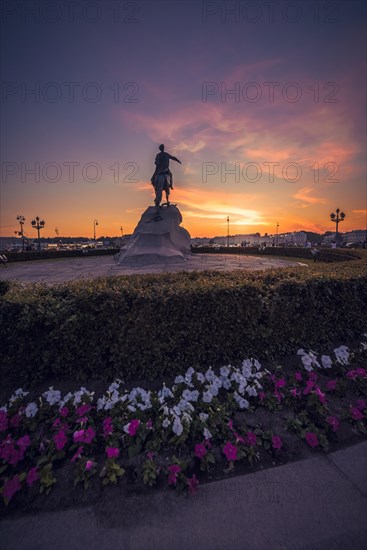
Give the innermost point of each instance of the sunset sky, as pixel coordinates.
(115, 80)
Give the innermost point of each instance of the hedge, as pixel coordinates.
(150, 326)
(54, 254)
(324, 254)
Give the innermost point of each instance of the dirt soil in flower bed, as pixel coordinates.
(106, 499)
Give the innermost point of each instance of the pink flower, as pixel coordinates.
(78, 436)
(281, 383)
(133, 427)
(107, 427)
(150, 456)
(174, 470)
(331, 385)
(149, 424)
(320, 395)
(112, 452)
(57, 423)
(24, 442)
(3, 421)
(278, 395)
(60, 440)
(298, 376)
(262, 395)
(207, 443)
(239, 438)
(333, 422)
(77, 454)
(230, 451)
(64, 411)
(352, 374)
(276, 442)
(230, 424)
(309, 387)
(89, 435)
(200, 450)
(32, 476)
(89, 465)
(356, 413)
(360, 404)
(83, 409)
(361, 372)
(250, 439)
(311, 439)
(193, 483)
(312, 376)
(11, 486)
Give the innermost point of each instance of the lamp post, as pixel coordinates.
(95, 222)
(122, 232)
(21, 220)
(228, 231)
(337, 219)
(57, 234)
(38, 224)
(277, 238)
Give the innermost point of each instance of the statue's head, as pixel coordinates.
(161, 147)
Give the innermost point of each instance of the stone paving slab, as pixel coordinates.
(68, 269)
(306, 505)
(353, 462)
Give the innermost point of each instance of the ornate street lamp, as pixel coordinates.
(95, 222)
(228, 231)
(38, 224)
(337, 219)
(21, 220)
(122, 232)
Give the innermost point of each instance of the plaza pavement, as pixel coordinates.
(316, 504)
(67, 269)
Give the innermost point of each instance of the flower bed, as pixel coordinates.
(178, 435)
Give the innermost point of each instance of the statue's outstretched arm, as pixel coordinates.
(174, 158)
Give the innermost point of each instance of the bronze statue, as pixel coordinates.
(162, 179)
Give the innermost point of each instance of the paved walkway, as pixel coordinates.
(67, 269)
(315, 504)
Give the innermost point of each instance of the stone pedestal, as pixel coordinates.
(157, 242)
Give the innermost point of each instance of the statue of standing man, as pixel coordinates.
(162, 179)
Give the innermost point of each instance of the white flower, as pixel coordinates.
(207, 397)
(207, 434)
(200, 377)
(188, 375)
(309, 360)
(190, 395)
(126, 428)
(342, 355)
(203, 417)
(179, 379)
(52, 396)
(210, 375)
(250, 390)
(67, 398)
(31, 410)
(18, 394)
(131, 408)
(224, 371)
(213, 389)
(242, 403)
(326, 361)
(226, 384)
(164, 392)
(166, 422)
(114, 386)
(177, 427)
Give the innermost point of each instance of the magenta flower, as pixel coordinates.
(3, 421)
(320, 395)
(64, 411)
(200, 450)
(112, 452)
(107, 427)
(83, 409)
(11, 486)
(278, 395)
(32, 476)
(331, 385)
(193, 483)
(250, 439)
(352, 374)
(230, 451)
(230, 424)
(281, 383)
(60, 440)
(356, 413)
(77, 454)
(149, 424)
(309, 386)
(333, 422)
(312, 376)
(262, 395)
(276, 442)
(133, 427)
(57, 423)
(150, 456)
(89, 465)
(78, 436)
(360, 404)
(89, 435)
(298, 376)
(24, 442)
(174, 470)
(361, 372)
(311, 439)
(295, 392)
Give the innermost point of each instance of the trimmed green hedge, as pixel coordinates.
(324, 255)
(54, 254)
(146, 326)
